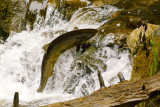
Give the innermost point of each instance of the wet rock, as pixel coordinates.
(5, 16)
(134, 39)
(71, 84)
(67, 7)
(83, 67)
(148, 11)
(101, 81)
(131, 16)
(18, 22)
(51, 33)
(103, 2)
(144, 43)
(84, 90)
(12, 16)
(93, 15)
(36, 12)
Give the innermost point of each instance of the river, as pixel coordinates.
(22, 53)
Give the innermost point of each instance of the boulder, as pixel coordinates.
(135, 37)
(144, 44)
(12, 17)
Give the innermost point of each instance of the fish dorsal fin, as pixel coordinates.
(45, 47)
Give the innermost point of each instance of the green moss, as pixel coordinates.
(144, 65)
(141, 66)
(5, 18)
(5, 9)
(154, 68)
(151, 66)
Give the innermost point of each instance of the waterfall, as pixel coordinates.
(21, 57)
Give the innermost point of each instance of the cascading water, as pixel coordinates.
(21, 56)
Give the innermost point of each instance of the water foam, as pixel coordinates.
(21, 56)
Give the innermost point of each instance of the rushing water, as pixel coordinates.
(21, 56)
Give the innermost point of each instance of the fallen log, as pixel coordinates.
(124, 94)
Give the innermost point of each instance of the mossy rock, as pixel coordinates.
(12, 17)
(32, 15)
(104, 2)
(148, 66)
(147, 51)
(134, 38)
(5, 17)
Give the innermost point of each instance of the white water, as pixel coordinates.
(21, 56)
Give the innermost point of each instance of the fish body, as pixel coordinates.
(59, 46)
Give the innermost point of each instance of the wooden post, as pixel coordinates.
(121, 77)
(16, 100)
(101, 81)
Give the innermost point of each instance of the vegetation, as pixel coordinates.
(154, 69)
(5, 18)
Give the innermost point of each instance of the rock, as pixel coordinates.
(131, 16)
(144, 43)
(148, 11)
(67, 7)
(134, 13)
(103, 2)
(36, 9)
(18, 21)
(5, 17)
(134, 38)
(100, 78)
(12, 16)
(86, 64)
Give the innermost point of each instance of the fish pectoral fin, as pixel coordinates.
(45, 47)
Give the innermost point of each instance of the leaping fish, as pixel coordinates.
(59, 46)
